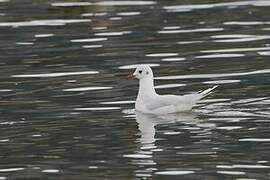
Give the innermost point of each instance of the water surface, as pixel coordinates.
(67, 110)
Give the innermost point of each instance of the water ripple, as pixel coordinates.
(255, 140)
(248, 38)
(92, 167)
(52, 22)
(171, 27)
(236, 50)
(251, 166)
(174, 172)
(24, 43)
(137, 156)
(133, 66)
(233, 113)
(94, 14)
(125, 3)
(89, 40)
(189, 42)
(115, 18)
(245, 23)
(92, 46)
(6, 90)
(219, 56)
(43, 35)
(249, 100)
(162, 54)
(243, 166)
(50, 171)
(264, 53)
(225, 81)
(190, 30)
(54, 74)
(69, 4)
(199, 76)
(113, 33)
(104, 3)
(229, 128)
(174, 59)
(4, 140)
(224, 36)
(231, 172)
(187, 8)
(119, 102)
(128, 13)
(11, 169)
(197, 153)
(86, 89)
(97, 108)
(99, 28)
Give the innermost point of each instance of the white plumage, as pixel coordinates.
(148, 101)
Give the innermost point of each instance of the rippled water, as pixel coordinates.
(67, 111)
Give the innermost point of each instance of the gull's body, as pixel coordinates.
(148, 101)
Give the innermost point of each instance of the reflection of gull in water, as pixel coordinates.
(143, 156)
(147, 123)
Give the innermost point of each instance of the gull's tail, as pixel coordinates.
(207, 91)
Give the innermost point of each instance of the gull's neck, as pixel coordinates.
(146, 88)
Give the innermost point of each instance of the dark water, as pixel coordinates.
(66, 109)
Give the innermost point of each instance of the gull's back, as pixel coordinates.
(171, 103)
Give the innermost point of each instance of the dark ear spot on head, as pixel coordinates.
(147, 72)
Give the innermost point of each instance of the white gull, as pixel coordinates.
(148, 101)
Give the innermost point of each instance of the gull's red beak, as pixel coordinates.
(131, 76)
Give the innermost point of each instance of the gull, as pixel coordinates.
(148, 101)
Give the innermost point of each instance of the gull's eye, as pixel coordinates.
(140, 72)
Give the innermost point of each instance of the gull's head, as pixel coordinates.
(142, 72)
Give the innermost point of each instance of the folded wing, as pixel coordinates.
(177, 103)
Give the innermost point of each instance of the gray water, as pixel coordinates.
(67, 110)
